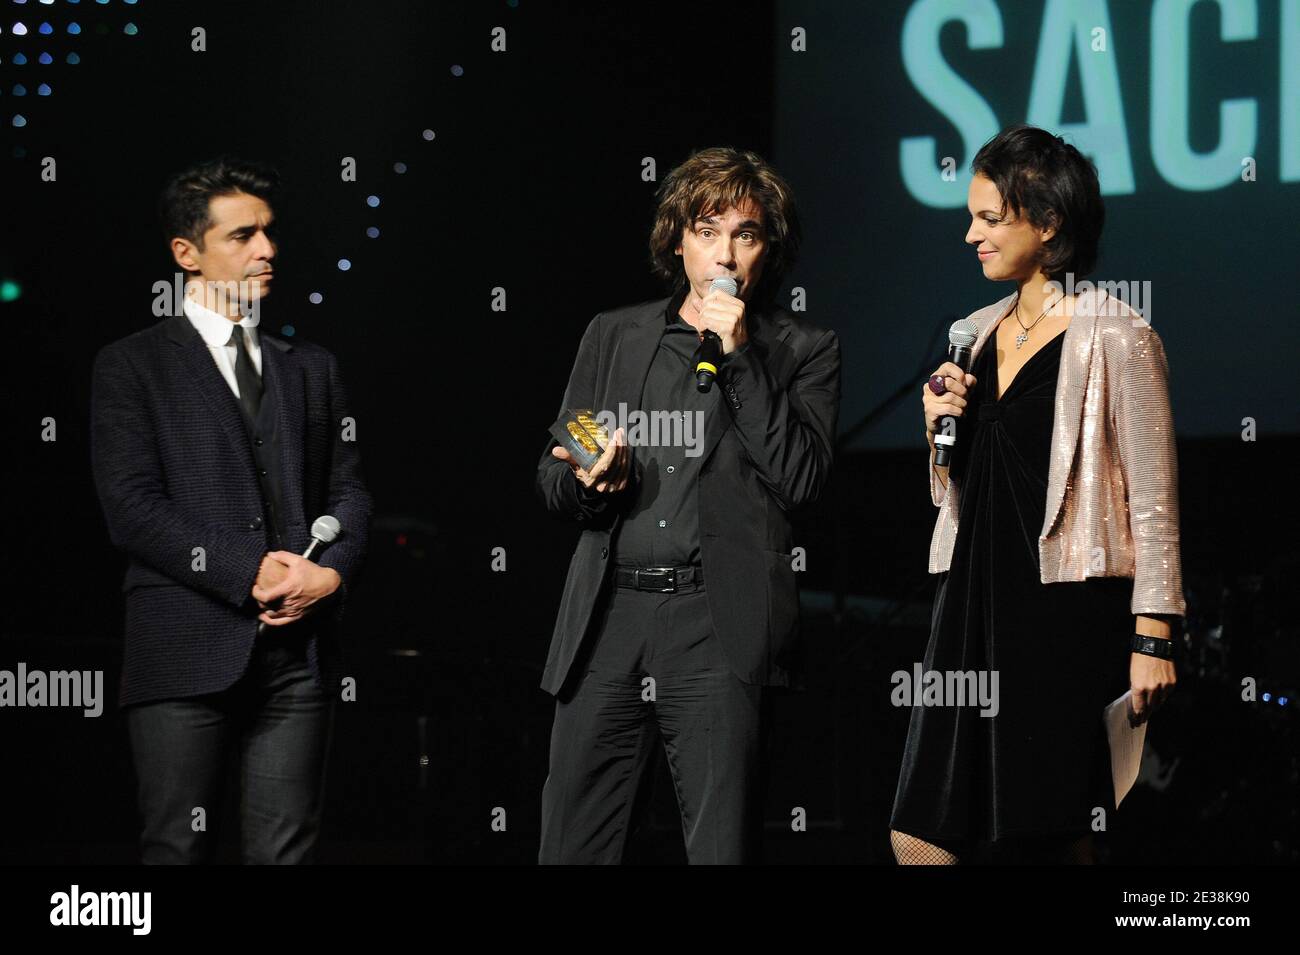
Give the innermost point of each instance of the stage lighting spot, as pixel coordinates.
(43, 90)
(130, 29)
(46, 29)
(344, 265)
(372, 201)
(287, 331)
(19, 30)
(45, 58)
(372, 232)
(20, 59)
(20, 119)
(428, 135)
(399, 167)
(10, 291)
(20, 90)
(74, 59)
(315, 298)
(458, 70)
(74, 28)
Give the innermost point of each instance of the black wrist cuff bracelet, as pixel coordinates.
(1153, 646)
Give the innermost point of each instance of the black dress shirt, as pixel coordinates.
(662, 526)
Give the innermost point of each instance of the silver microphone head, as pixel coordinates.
(963, 333)
(726, 284)
(325, 528)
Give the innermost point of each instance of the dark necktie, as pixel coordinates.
(250, 383)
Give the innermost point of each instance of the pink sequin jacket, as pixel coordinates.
(1112, 488)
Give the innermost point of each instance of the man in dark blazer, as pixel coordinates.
(680, 603)
(215, 446)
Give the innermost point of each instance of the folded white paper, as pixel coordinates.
(1126, 741)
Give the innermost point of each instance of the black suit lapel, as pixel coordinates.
(283, 376)
(767, 336)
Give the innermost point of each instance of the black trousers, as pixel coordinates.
(655, 663)
(276, 721)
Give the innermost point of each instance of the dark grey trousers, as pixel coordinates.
(655, 662)
(276, 722)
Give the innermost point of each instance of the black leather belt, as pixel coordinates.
(663, 580)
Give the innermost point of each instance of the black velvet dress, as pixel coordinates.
(1039, 767)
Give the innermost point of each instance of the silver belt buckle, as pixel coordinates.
(672, 579)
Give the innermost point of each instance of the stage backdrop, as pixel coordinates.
(1190, 110)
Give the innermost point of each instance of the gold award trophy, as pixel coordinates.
(581, 435)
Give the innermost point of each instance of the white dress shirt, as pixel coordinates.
(216, 330)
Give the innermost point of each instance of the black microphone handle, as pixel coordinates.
(959, 355)
(711, 352)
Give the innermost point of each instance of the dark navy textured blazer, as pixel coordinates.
(174, 469)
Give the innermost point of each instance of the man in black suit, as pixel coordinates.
(215, 445)
(680, 604)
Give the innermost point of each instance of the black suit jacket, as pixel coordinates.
(767, 451)
(174, 470)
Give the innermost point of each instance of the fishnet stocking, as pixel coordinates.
(909, 850)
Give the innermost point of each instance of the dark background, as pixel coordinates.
(532, 183)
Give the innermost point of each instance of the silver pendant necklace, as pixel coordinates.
(1024, 329)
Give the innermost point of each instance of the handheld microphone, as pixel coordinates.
(323, 531)
(706, 368)
(961, 336)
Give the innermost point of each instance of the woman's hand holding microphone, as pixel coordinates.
(943, 396)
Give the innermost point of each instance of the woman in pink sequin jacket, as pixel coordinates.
(1056, 542)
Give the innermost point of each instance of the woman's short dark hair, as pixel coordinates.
(183, 206)
(714, 180)
(1049, 182)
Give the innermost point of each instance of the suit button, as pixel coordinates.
(257, 441)
(255, 523)
(604, 552)
(262, 472)
(671, 469)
